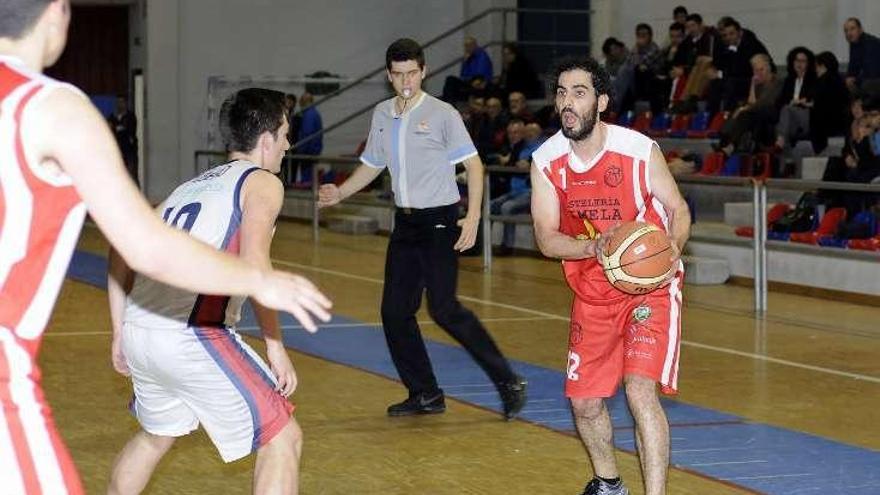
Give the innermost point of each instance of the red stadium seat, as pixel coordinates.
(827, 227)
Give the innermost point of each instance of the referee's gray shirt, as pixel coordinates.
(420, 149)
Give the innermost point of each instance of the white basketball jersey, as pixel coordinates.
(209, 209)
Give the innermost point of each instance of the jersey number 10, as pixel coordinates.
(189, 212)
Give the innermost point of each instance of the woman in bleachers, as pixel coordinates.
(796, 99)
(829, 115)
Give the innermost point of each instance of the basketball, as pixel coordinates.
(636, 258)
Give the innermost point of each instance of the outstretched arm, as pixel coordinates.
(65, 130)
(330, 194)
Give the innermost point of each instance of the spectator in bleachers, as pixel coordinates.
(679, 14)
(509, 150)
(619, 70)
(476, 63)
(734, 68)
(696, 59)
(796, 99)
(123, 124)
(860, 159)
(645, 60)
(518, 199)
(671, 76)
(490, 135)
(829, 114)
(864, 58)
(517, 107)
(474, 114)
(518, 73)
(752, 124)
(310, 125)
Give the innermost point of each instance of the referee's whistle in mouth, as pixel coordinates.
(407, 92)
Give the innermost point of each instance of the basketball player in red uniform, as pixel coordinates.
(587, 179)
(58, 160)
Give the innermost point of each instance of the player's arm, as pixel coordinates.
(65, 128)
(261, 200)
(330, 194)
(545, 214)
(470, 224)
(664, 188)
(119, 281)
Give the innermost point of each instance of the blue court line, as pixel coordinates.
(728, 448)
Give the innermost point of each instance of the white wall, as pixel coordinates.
(190, 40)
(779, 24)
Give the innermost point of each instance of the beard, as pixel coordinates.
(587, 124)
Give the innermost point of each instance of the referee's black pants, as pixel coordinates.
(421, 258)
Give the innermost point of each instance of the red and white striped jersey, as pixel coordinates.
(615, 187)
(41, 213)
(40, 219)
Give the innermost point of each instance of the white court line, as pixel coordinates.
(74, 334)
(725, 463)
(551, 316)
(769, 476)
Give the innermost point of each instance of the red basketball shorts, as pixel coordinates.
(639, 335)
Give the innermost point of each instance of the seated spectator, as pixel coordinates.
(695, 61)
(796, 99)
(518, 199)
(476, 63)
(829, 114)
(619, 70)
(474, 114)
(645, 60)
(670, 74)
(734, 69)
(860, 160)
(679, 14)
(517, 108)
(490, 135)
(864, 58)
(752, 124)
(518, 74)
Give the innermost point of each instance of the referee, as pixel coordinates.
(420, 139)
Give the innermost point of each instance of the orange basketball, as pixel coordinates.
(636, 259)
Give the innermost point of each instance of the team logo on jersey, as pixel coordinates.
(641, 313)
(590, 232)
(575, 335)
(423, 127)
(613, 176)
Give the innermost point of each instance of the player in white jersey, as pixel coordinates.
(187, 364)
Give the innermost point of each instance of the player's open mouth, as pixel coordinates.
(569, 119)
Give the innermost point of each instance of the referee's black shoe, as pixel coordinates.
(422, 403)
(513, 396)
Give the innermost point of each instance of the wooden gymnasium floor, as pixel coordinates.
(787, 404)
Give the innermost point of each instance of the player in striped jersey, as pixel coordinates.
(187, 363)
(57, 161)
(587, 179)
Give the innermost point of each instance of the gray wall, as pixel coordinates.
(189, 41)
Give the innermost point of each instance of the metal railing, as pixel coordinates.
(439, 69)
(759, 206)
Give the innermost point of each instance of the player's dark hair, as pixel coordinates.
(247, 114)
(18, 17)
(402, 50)
(601, 80)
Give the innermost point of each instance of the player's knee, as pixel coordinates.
(157, 443)
(588, 409)
(288, 442)
(445, 313)
(393, 314)
(640, 391)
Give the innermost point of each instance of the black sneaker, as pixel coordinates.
(419, 404)
(513, 396)
(599, 487)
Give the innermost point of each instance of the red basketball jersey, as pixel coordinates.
(615, 187)
(40, 219)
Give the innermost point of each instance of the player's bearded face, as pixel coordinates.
(578, 126)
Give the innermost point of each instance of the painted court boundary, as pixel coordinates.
(724, 447)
